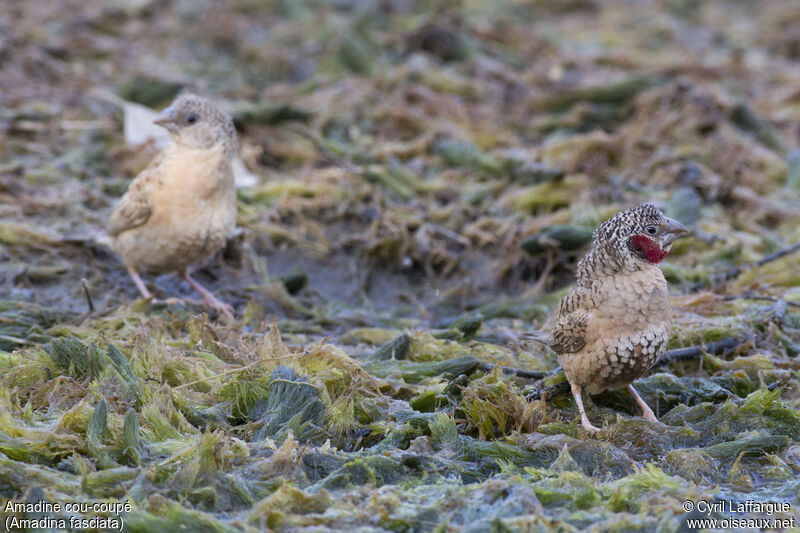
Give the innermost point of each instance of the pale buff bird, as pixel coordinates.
(614, 324)
(182, 208)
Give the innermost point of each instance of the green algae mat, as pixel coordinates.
(423, 177)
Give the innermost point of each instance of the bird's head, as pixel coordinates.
(639, 235)
(195, 122)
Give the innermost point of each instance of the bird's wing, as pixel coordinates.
(569, 333)
(135, 207)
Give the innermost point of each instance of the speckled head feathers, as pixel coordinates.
(628, 223)
(196, 122)
(631, 239)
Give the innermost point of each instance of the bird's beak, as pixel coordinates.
(673, 231)
(166, 119)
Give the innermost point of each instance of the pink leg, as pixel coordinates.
(208, 298)
(647, 413)
(137, 280)
(576, 392)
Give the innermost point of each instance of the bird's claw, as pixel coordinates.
(588, 426)
(650, 416)
(220, 306)
(213, 303)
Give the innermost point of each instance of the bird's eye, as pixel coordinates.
(651, 230)
(191, 118)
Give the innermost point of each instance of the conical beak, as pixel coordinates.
(673, 231)
(167, 120)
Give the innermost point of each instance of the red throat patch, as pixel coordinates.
(647, 248)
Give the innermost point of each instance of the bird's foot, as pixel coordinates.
(647, 413)
(212, 302)
(588, 426)
(650, 416)
(139, 282)
(576, 392)
(219, 305)
(208, 297)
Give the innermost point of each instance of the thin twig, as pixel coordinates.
(751, 296)
(88, 296)
(737, 271)
(325, 151)
(289, 381)
(521, 372)
(239, 369)
(558, 389)
(777, 255)
(551, 263)
(692, 352)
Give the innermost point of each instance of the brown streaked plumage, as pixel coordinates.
(614, 324)
(182, 208)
